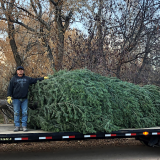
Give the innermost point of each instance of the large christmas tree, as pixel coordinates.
(86, 102)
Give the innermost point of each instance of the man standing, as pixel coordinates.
(18, 90)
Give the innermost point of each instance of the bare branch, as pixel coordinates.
(54, 3)
(33, 6)
(67, 20)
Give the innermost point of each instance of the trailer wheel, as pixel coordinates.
(146, 144)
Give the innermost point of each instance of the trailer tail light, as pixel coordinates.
(145, 133)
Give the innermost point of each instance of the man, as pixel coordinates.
(18, 90)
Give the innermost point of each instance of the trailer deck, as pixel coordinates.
(8, 129)
(8, 136)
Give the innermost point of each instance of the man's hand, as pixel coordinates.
(9, 100)
(46, 77)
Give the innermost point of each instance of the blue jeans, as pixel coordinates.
(23, 105)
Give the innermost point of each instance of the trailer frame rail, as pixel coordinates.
(62, 136)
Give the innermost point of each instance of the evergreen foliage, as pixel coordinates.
(86, 102)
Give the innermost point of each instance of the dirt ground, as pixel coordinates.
(54, 145)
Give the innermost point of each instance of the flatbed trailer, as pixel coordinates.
(148, 136)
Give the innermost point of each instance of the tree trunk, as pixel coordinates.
(62, 23)
(11, 32)
(60, 49)
(60, 38)
(46, 44)
(99, 29)
(11, 35)
(118, 70)
(140, 69)
(147, 50)
(100, 53)
(8, 11)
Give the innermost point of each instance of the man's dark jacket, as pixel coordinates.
(18, 87)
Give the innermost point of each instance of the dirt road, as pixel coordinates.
(117, 149)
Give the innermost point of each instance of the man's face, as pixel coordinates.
(20, 72)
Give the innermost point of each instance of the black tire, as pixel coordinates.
(146, 144)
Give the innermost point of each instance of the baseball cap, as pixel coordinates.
(20, 67)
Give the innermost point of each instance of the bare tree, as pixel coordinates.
(132, 39)
(58, 19)
(8, 15)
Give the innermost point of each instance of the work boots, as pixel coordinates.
(24, 129)
(17, 129)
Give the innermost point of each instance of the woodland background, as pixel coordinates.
(117, 38)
